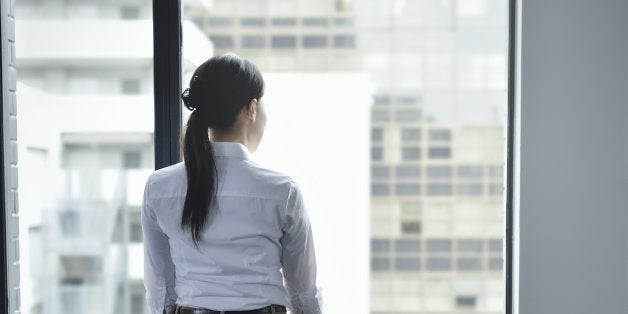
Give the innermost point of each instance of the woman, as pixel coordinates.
(222, 233)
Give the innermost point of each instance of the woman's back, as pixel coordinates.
(238, 261)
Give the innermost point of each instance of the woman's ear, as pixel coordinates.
(251, 110)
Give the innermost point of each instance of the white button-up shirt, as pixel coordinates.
(257, 234)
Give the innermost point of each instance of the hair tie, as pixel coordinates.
(185, 96)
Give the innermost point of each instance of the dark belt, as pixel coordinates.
(197, 310)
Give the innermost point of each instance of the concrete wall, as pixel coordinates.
(9, 123)
(572, 196)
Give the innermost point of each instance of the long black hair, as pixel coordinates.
(218, 91)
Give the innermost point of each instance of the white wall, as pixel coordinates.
(572, 200)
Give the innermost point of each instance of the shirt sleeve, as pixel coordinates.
(298, 258)
(159, 272)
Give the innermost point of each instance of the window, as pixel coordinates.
(377, 134)
(439, 172)
(410, 153)
(344, 22)
(469, 264)
(131, 160)
(380, 264)
(470, 189)
(220, 22)
(440, 135)
(438, 245)
(410, 134)
(470, 246)
(377, 153)
(284, 22)
(314, 41)
(380, 116)
(380, 172)
(128, 12)
(410, 227)
(344, 41)
(439, 152)
(438, 264)
(406, 189)
(408, 115)
(434, 189)
(315, 22)
(407, 264)
(407, 245)
(130, 86)
(284, 41)
(380, 245)
(465, 302)
(408, 171)
(222, 42)
(474, 172)
(380, 189)
(253, 41)
(253, 22)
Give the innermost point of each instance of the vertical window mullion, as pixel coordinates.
(167, 80)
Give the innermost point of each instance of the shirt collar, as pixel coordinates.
(230, 149)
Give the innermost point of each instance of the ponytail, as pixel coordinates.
(200, 167)
(219, 89)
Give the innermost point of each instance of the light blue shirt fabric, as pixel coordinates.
(257, 235)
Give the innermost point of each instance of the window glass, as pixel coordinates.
(407, 245)
(421, 85)
(86, 147)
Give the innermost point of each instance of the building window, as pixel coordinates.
(495, 245)
(496, 189)
(410, 227)
(408, 99)
(344, 41)
(438, 264)
(439, 152)
(381, 99)
(253, 22)
(284, 22)
(380, 172)
(131, 160)
(402, 189)
(470, 246)
(470, 172)
(380, 116)
(434, 189)
(470, 189)
(314, 22)
(284, 41)
(440, 135)
(434, 172)
(222, 42)
(465, 302)
(130, 12)
(220, 22)
(496, 172)
(377, 153)
(469, 264)
(253, 41)
(136, 235)
(411, 134)
(380, 245)
(377, 134)
(408, 171)
(408, 115)
(314, 41)
(380, 264)
(407, 245)
(410, 153)
(495, 264)
(379, 189)
(344, 22)
(407, 264)
(130, 86)
(438, 245)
